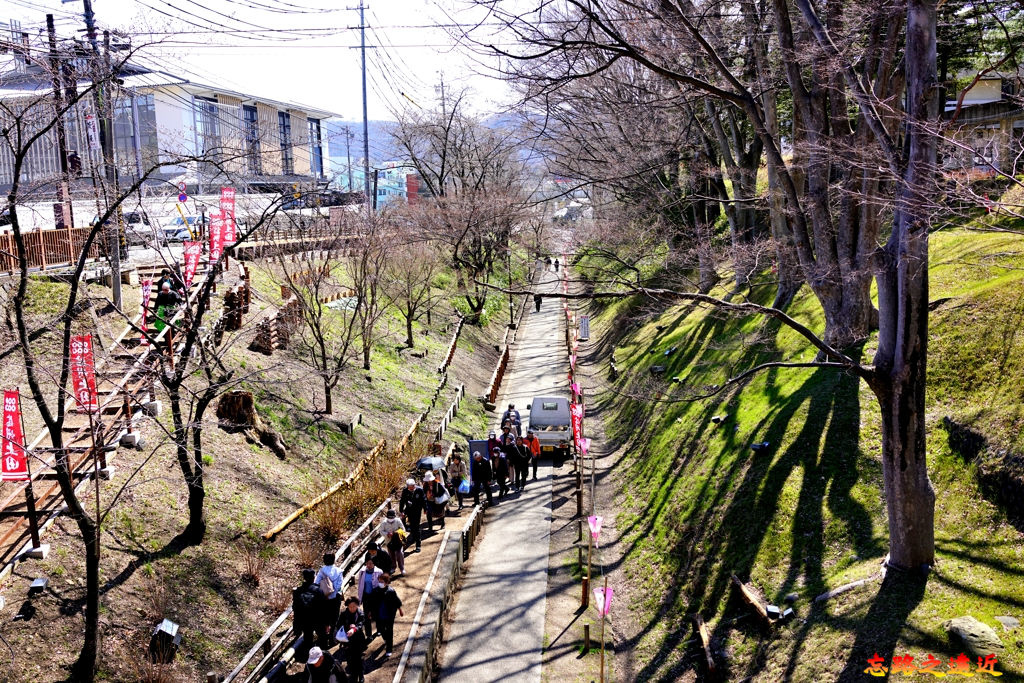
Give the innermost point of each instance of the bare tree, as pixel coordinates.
(409, 285)
(366, 271)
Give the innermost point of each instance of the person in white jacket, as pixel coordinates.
(367, 581)
(393, 541)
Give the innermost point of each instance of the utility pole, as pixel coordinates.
(366, 122)
(64, 193)
(348, 154)
(106, 146)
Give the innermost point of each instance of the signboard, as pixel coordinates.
(227, 209)
(576, 414)
(216, 236)
(584, 327)
(83, 373)
(182, 197)
(192, 252)
(15, 461)
(91, 132)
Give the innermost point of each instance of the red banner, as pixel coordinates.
(83, 373)
(15, 461)
(576, 413)
(193, 252)
(147, 289)
(227, 209)
(216, 236)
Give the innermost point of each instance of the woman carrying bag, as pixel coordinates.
(437, 499)
(393, 530)
(459, 476)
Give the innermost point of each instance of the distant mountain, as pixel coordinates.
(382, 147)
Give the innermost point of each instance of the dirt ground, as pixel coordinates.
(148, 573)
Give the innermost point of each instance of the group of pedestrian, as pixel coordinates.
(429, 497)
(507, 461)
(319, 617)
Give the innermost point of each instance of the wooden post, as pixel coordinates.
(586, 639)
(30, 498)
(603, 611)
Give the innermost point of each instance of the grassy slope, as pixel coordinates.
(808, 515)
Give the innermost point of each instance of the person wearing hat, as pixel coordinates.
(533, 443)
(389, 529)
(381, 560)
(437, 499)
(410, 506)
(351, 624)
(307, 608)
(320, 666)
(458, 474)
(482, 475)
(512, 417)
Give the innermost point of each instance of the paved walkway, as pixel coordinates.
(498, 628)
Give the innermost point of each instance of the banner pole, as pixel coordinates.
(30, 498)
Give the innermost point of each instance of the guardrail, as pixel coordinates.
(499, 374)
(47, 248)
(450, 353)
(451, 413)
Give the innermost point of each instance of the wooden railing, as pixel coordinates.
(47, 248)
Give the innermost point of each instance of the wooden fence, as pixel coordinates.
(450, 414)
(450, 353)
(47, 248)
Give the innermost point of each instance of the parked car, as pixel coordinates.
(137, 229)
(551, 423)
(176, 230)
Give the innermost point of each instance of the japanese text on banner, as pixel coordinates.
(83, 373)
(14, 459)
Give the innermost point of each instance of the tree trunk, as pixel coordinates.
(902, 275)
(328, 398)
(196, 528)
(366, 356)
(84, 668)
(408, 331)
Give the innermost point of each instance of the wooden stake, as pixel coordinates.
(705, 640)
(603, 616)
(586, 639)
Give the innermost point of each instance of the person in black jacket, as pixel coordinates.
(351, 624)
(501, 469)
(519, 458)
(410, 506)
(511, 416)
(388, 604)
(482, 475)
(307, 609)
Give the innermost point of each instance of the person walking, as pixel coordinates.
(547, 262)
(519, 457)
(556, 265)
(437, 498)
(533, 443)
(367, 580)
(458, 474)
(351, 625)
(393, 530)
(166, 303)
(381, 560)
(537, 298)
(410, 506)
(320, 666)
(330, 580)
(512, 416)
(482, 475)
(307, 609)
(499, 462)
(388, 604)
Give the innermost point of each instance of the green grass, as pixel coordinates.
(808, 515)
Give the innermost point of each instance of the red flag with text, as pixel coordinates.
(576, 413)
(227, 210)
(15, 462)
(216, 235)
(83, 373)
(147, 289)
(192, 253)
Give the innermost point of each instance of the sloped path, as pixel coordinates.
(498, 628)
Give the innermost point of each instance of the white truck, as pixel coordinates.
(551, 423)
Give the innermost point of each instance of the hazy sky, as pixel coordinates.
(294, 50)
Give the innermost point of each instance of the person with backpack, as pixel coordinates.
(388, 604)
(393, 531)
(350, 631)
(410, 506)
(537, 299)
(367, 580)
(437, 498)
(321, 667)
(307, 609)
(380, 560)
(329, 580)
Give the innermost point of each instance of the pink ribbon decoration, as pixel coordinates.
(584, 447)
(603, 600)
(595, 524)
(575, 389)
(572, 361)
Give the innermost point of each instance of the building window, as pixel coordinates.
(316, 152)
(252, 140)
(209, 127)
(284, 126)
(124, 135)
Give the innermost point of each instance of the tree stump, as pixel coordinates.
(236, 412)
